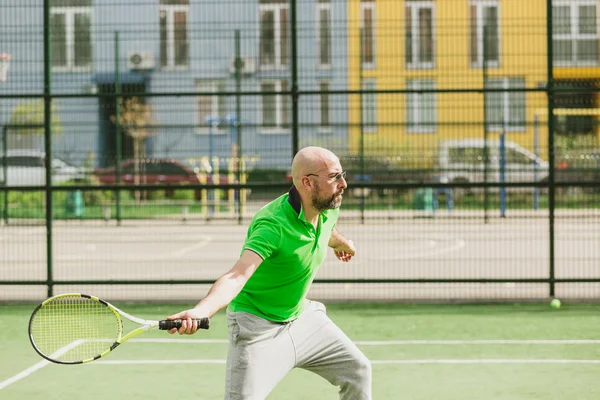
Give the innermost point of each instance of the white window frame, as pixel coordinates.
(276, 9)
(493, 127)
(320, 7)
(415, 99)
(369, 126)
(325, 129)
(69, 13)
(574, 36)
(481, 5)
(212, 86)
(170, 10)
(415, 7)
(279, 104)
(370, 5)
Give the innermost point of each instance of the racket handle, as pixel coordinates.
(203, 323)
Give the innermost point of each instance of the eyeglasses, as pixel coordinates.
(336, 178)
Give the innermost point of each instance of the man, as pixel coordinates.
(272, 327)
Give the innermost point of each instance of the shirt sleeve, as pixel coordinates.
(264, 238)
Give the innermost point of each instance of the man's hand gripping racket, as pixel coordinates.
(77, 328)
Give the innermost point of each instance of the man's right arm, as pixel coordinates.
(220, 294)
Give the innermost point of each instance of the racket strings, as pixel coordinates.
(74, 328)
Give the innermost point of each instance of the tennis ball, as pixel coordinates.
(555, 303)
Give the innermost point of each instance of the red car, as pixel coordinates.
(157, 171)
(151, 171)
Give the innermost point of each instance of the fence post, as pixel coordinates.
(118, 143)
(551, 187)
(485, 123)
(48, 145)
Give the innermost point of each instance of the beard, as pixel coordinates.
(326, 203)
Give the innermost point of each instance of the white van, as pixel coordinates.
(461, 161)
(27, 168)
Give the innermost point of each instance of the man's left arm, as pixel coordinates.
(343, 248)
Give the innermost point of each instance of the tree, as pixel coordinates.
(136, 120)
(30, 115)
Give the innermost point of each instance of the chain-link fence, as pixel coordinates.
(139, 138)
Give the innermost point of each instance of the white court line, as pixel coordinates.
(426, 361)
(472, 342)
(43, 363)
(179, 253)
(393, 342)
(25, 373)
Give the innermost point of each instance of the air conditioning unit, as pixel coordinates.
(248, 65)
(140, 60)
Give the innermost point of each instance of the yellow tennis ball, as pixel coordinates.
(555, 303)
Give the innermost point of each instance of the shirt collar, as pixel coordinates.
(294, 200)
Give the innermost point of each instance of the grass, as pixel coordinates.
(483, 379)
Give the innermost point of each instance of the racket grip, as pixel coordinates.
(203, 323)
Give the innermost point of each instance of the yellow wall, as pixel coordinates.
(522, 54)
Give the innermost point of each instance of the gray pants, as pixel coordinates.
(262, 352)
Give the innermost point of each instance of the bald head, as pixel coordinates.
(311, 160)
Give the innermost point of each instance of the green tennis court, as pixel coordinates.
(519, 351)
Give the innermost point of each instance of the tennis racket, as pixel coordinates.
(77, 328)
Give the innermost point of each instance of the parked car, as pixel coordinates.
(579, 166)
(153, 171)
(27, 168)
(461, 161)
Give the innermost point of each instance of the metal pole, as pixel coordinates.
(5, 170)
(238, 120)
(295, 96)
(118, 146)
(503, 169)
(536, 150)
(361, 124)
(485, 124)
(48, 145)
(551, 187)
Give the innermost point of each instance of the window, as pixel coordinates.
(513, 156)
(575, 36)
(71, 22)
(25, 161)
(174, 47)
(210, 106)
(485, 13)
(324, 115)
(324, 34)
(419, 34)
(466, 155)
(367, 25)
(505, 108)
(421, 108)
(369, 106)
(275, 108)
(274, 44)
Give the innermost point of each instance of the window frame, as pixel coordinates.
(279, 108)
(170, 10)
(415, 26)
(574, 36)
(213, 86)
(278, 45)
(320, 7)
(370, 5)
(69, 13)
(417, 126)
(325, 128)
(480, 6)
(369, 126)
(506, 105)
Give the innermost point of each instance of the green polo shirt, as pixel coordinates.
(292, 251)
